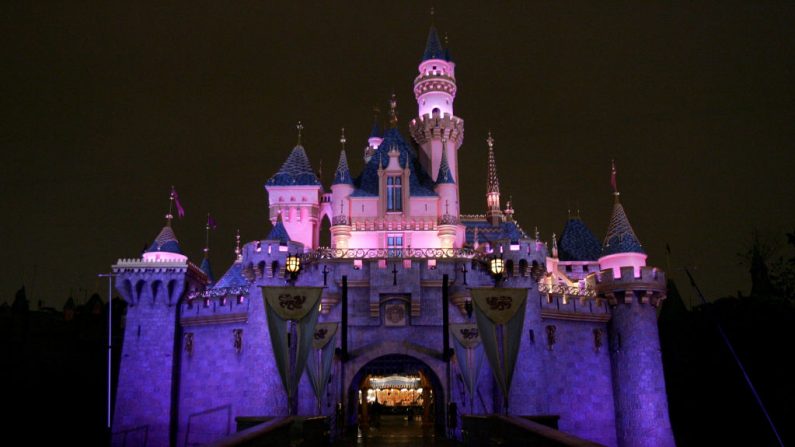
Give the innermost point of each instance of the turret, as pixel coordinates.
(634, 292)
(435, 90)
(341, 189)
(153, 288)
(493, 212)
(294, 193)
(621, 247)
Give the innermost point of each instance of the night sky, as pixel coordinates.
(105, 105)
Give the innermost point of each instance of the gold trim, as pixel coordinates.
(214, 319)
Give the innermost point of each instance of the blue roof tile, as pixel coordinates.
(492, 233)
(343, 173)
(296, 170)
(444, 175)
(620, 237)
(433, 46)
(165, 241)
(577, 242)
(232, 278)
(420, 183)
(278, 232)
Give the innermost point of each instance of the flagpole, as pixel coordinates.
(110, 277)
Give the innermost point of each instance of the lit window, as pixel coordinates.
(394, 245)
(394, 193)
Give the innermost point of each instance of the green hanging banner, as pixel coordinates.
(500, 318)
(469, 355)
(292, 315)
(318, 364)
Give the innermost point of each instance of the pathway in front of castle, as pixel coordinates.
(396, 430)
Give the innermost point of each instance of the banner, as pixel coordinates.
(318, 364)
(469, 354)
(292, 314)
(500, 318)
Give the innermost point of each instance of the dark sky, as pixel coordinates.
(107, 104)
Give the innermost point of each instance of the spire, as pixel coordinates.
(444, 175)
(393, 111)
(343, 173)
(299, 127)
(433, 46)
(494, 183)
(238, 253)
(278, 232)
(296, 170)
(577, 242)
(620, 237)
(165, 241)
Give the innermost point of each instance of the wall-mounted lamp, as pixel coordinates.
(293, 266)
(496, 267)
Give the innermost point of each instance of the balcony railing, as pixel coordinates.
(392, 253)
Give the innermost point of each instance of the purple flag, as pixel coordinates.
(180, 210)
(211, 222)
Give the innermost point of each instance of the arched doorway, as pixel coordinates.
(396, 392)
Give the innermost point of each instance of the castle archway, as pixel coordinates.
(396, 391)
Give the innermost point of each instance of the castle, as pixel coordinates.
(198, 350)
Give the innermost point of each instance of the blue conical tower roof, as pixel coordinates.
(620, 237)
(232, 278)
(296, 170)
(165, 241)
(433, 46)
(278, 232)
(207, 269)
(577, 242)
(343, 173)
(444, 175)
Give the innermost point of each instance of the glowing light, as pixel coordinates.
(497, 266)
(293, 264)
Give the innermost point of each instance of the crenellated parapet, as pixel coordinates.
(647, 288)
(427, 128)
(157, 280)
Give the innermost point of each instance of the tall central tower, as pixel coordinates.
(435, 89)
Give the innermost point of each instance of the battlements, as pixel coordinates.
(649, 287)
(143, 265)
(427, 127)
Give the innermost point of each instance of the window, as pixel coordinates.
(394, 245)
(394, 193)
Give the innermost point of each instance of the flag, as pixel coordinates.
(180, 210)
(211, 224)
(613, 177)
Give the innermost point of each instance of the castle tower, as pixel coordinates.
(341, 188)
(621, 248)
(149, 372)
(448, 202)
(634, 292)
(294, 192)
(435, 90)
(493, 212)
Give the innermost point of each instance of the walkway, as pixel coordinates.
(396, 430)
